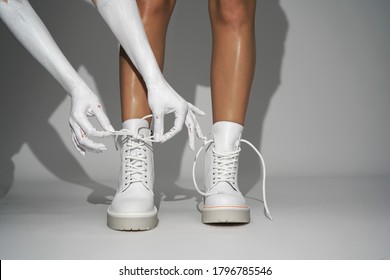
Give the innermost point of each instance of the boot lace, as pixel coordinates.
(225, 168)
(134, 156)
(134, 161)
(226, 171)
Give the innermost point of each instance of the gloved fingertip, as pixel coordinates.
(198, 111)
(110, 128)
(108, 133)
(157, 137)
(199, 131)
(101, 133)
(166, 137)
(98, 147)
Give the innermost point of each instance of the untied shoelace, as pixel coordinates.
(228, 162)
(225, 171)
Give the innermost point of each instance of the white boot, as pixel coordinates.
(133, 205)
(227, 205)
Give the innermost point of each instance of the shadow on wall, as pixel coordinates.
(187, 65)
(29, 95)
(271, 33)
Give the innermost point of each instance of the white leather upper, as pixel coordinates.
(223, 151)
(136, 177)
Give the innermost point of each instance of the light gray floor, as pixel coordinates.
(344, 218)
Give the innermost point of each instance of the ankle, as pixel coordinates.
(135, 126)
(226, 136)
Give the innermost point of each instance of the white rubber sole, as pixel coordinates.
(132, 221)
(225, 214)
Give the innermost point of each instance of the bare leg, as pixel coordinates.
(233, 57)
(155, 15)
(232, 69)
(133, 208)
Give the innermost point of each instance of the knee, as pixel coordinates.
(155, 8)
(232, 13)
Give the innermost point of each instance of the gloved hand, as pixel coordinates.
(164, 100)
(122, 16)
(31, 32)
(86, 104)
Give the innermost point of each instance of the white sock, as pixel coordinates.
(136, 124)
(227, 136)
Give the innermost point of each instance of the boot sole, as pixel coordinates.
(132, 221)
(225, 214)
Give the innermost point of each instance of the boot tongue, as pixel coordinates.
(226, 136)
(137, 127)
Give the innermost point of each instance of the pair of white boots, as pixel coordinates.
(133, 205)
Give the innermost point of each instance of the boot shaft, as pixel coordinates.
(221, 159)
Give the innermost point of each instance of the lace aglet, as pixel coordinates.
(268, 215)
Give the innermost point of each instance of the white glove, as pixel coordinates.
(28, 28)
(164, 100)
(86, 104)
(122, 16)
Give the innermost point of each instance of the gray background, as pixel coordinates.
(319, 112)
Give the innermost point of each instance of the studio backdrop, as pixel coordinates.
(320, 102)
